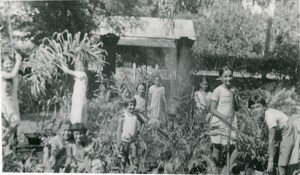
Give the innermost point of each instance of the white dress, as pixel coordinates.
(221, 95)
(79, 108)
(156, 101)
(140, 106)
(130, 126)
(201, 100)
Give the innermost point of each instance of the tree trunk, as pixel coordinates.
(270, 12)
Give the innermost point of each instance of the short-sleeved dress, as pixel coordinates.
(201, 100)
(140, 105)
(130, 126)
(289, 146)
(221, 95)
(156, 101)
(79, 108)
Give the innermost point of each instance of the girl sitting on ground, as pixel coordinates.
(78, 152)
(55, 149)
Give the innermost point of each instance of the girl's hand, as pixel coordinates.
(18, 57)
(270, 167)
(64, 68)
(234, 90)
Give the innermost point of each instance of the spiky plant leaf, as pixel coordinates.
(60, 48)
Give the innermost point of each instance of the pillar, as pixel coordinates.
(110, 42)
(183, 57)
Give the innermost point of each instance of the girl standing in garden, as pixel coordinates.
(141, 101)
(280, 124)
(202, 97)
(9, 100)
(223, 99)
(79, 108)
(157, 100)
(128, 131)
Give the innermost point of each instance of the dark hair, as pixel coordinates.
(141, 83)
(223, 69)
(157, 75)
(64, 122)
(6, 57)
(204, 78)
(79, 127)
(130, 100)
(257, 98)
(83, 62)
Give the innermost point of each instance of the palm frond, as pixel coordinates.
(61, 48)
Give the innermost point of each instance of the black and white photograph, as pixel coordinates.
(150, 86)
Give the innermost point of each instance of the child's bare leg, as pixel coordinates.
(216, 152)
(233, 157)
(125, 151)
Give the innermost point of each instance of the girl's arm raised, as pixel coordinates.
(67, 70)
(14, 72)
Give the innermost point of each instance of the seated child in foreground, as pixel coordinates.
(56, 146)
(128, 128)
(78, 152)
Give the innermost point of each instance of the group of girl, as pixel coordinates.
(222, 104)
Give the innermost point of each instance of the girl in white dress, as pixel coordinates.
(223, 99)
(157, 100)
(79, 108)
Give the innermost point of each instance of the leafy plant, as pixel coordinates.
(61, 48)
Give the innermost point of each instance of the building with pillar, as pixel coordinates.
(146, 40)
(150, 41)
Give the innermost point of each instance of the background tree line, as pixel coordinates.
(228, 32)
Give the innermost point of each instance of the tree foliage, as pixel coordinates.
(230, 34)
